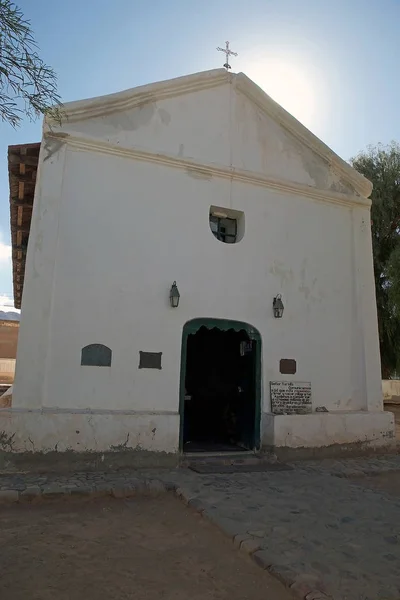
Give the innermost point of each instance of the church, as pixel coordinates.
(195, 273)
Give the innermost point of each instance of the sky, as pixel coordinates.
(332, 64)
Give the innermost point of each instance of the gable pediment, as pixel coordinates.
(215, 118)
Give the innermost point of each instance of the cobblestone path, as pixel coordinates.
(317, 523)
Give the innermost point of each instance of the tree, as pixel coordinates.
(27, 85)
(381, 165)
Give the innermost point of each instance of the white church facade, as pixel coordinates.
(198, 276)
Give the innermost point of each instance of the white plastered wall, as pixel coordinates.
(111, 231)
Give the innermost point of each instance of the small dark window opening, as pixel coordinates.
(96, 355)
(224, 229)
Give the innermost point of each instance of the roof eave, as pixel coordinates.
(22, 167)
(102, 105)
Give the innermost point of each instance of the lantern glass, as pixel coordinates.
(174, 295)
(278, 307)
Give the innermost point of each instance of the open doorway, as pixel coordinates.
(220, 372)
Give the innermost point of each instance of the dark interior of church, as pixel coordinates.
(219, 409)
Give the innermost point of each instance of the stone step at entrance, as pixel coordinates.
(241, 462)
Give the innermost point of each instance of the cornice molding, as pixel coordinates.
(128, 99)
(303, 135)
(208, 171)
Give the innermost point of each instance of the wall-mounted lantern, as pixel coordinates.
(278, 307)
(174, 296)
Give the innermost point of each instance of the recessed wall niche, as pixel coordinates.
(227, 225)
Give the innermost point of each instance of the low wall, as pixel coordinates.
(319, 430)
(7, 370)
(101, 431)
(7, 365)
(391, 391)
(8, 338)
(47, 430)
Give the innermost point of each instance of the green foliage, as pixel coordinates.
(27, 85)
(381, 165)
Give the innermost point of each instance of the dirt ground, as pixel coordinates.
(138, 548)
(388, 482)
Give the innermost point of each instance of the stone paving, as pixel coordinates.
(311, 527)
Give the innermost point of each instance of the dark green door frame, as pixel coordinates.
(192, 327)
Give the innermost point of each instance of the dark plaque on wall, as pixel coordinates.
(287, 366)
(150, 360)
(96, 355)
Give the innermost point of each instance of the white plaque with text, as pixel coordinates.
(290, 397)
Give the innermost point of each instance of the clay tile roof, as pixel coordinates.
(22, 170)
